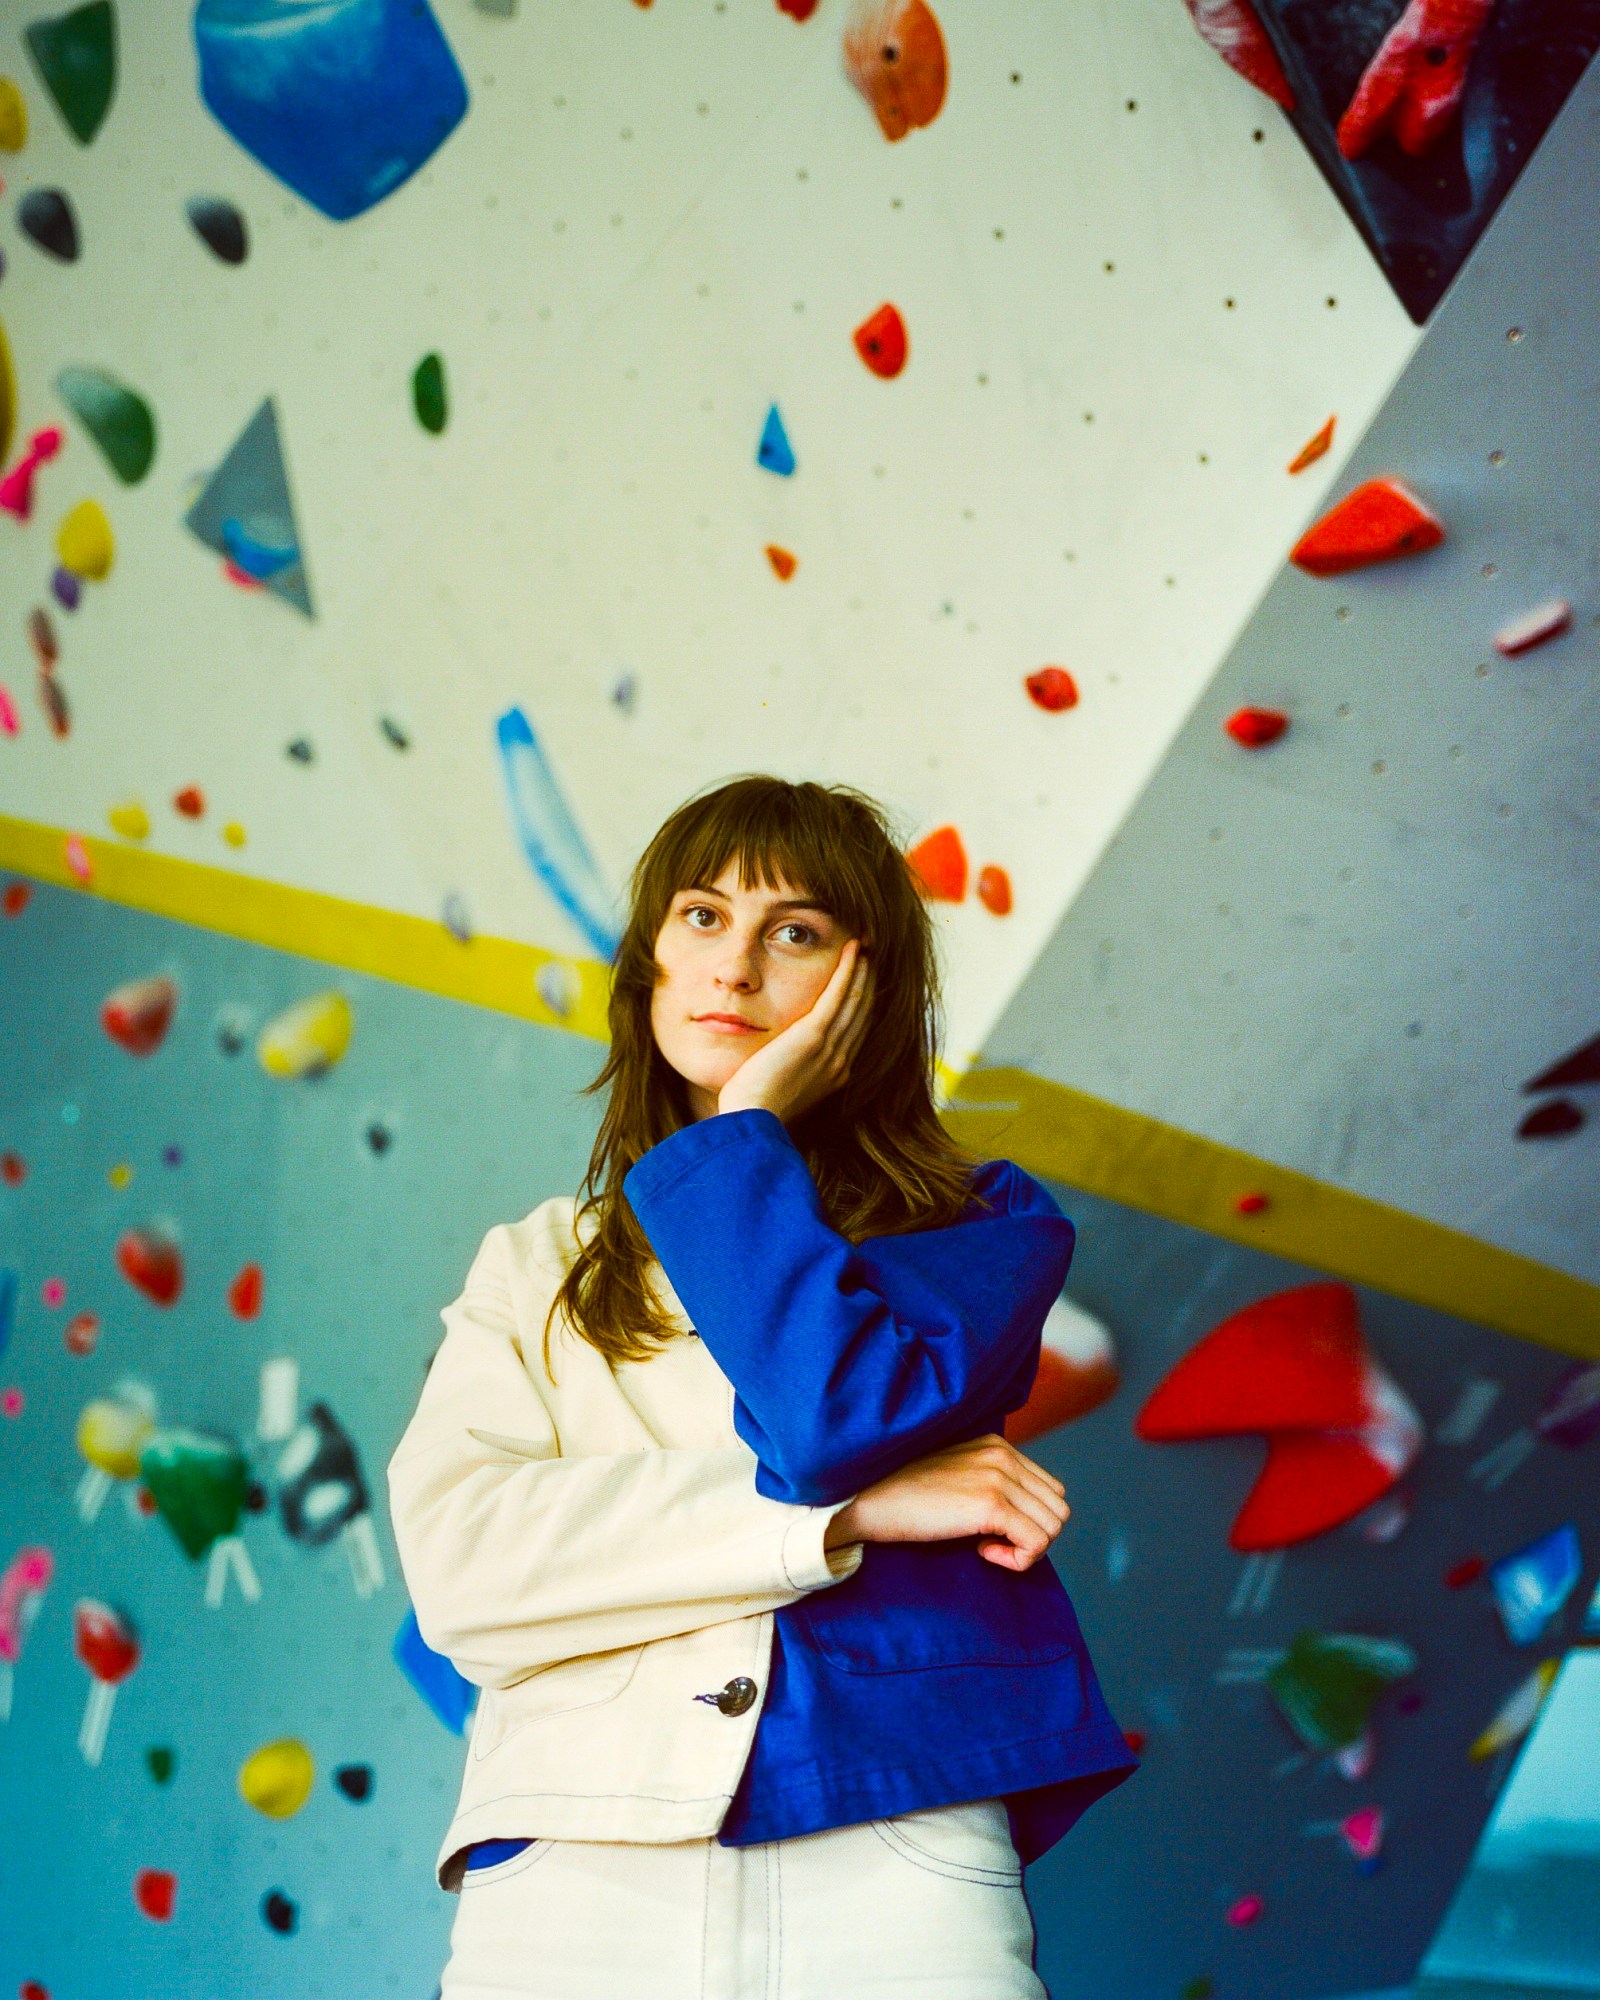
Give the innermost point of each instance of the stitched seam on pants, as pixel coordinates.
(954, 1871)
(775, 1925)
(705, 1920)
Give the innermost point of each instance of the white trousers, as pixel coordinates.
(925, 1906)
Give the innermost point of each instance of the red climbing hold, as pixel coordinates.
(1233, 28)
(155, 1890)
(940, 864)
(1313, 448)
(797, 10)
(1256, 727)
(13, 1169)
(138, 1015)
(81, 1335)
(782, 562)
(1252, 1203)
(1052, 688)
(1294, 1367)
(1552, 1121)
(151, 1263)
(244, 1294)
(16, 898)
(1380, 520)
(994, 890)
(1135, 1740)
(1468, 1570)
(191, 801)
(1534, 628)
(30, 1989)
(53, 700)
(1414, 83)
(894, 55)
(881, 342)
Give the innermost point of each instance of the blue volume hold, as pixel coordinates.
(448, 1693)
(341, 99)
(775, 451)
(551, 837)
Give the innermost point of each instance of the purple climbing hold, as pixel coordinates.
(1554, 1120)
(68, 590)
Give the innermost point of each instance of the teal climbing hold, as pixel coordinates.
(76, 57)
(775, 451)
(118, 418)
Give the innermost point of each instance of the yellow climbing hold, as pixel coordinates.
(84, 541)
(277, 1779)
(307, 1038)
(233, 833)
(13, 117)
(130, 819)
(112, 1436)
(8, 398)
(120, 1174)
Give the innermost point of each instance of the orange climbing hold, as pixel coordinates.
(244, 1294)
(1313, 448)
(881, 342)
(1255, 728)
(781, 560)
(1052, 688)
(1379, 521)
(191, 801)
(994, 890)
(939, 863)
(894, 54)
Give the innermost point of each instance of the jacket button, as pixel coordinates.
(737, 1696)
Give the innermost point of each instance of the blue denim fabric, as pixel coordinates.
(930, 1676)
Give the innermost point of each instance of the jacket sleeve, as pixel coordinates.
(517, 1557)
(849, 1359)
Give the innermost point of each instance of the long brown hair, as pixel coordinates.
(882, 1162)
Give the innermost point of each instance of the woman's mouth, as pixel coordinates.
(726, 1024)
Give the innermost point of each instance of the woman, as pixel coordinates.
(706, 1491)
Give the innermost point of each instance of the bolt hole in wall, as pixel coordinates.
(368, 629)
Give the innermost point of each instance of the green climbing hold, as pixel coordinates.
(1327, 1682)
(118, 418)
(161, 1763)
(76, 56)
(428, 395)
(198, 1484)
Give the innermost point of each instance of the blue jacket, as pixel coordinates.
(932, 1675)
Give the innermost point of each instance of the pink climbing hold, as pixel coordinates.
(10, 721)
(1534, 628)
(77, 857)
(52, 1291)
(1233, 28)
(1363, 1832)
(1247, 1910)
(1414, 84)
(11, 1403)
(16, 489)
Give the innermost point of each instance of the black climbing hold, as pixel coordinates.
(46, 216)
(220, 227)
(355, 1781)
(279, 1912)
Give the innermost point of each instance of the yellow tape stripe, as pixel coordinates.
(1057, 1133)
(1065, 1135)
(488, 972)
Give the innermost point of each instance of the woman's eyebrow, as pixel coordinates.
(788, 903)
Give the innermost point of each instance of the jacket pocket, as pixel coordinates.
(558, 1689)
(939, 1604)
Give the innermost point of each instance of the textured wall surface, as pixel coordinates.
(1348, 951)
(358, 1252)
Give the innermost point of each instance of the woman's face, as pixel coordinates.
(760, 956)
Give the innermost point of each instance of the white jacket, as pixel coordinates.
(592, 1552)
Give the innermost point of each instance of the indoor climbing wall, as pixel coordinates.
(402, 513)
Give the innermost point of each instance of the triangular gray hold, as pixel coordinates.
(245, 512)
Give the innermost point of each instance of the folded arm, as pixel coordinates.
(516, 1557)
(848, 1360)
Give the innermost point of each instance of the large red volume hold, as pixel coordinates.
(1414, 84)
(1289, 1361)
(940, 864)
(881, 342)
(1379, 521)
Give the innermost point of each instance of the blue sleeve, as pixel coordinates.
(848, 1360)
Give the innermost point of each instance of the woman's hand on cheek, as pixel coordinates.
(812, 1056)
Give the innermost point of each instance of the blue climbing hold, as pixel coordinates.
(448, 1693)
(550, 835)
(245, 512)
(341, 99)
(775, 451)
